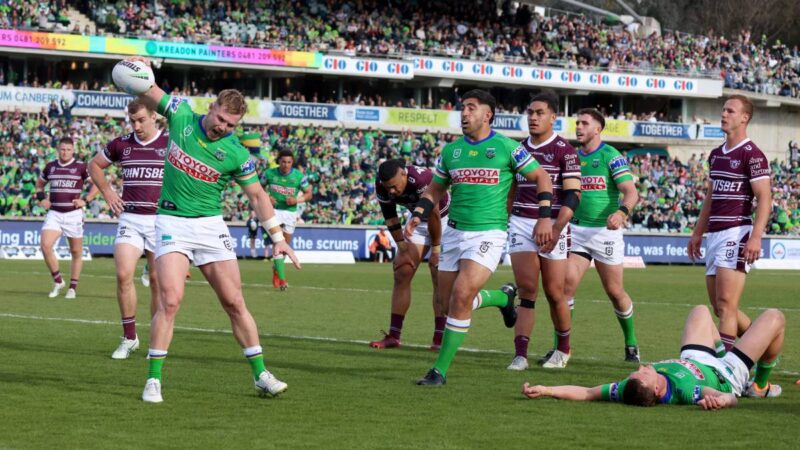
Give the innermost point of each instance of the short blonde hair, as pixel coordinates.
(746, 103)
(232, 101)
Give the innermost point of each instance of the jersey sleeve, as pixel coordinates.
(618, 167)
(612, 392)
(45, 172)
(522, 162)
(304, 184)
(170, 107)
(110, 152)
(246, 171)
(441, 174)
(690, 395)
(85, 172)
(757, 166)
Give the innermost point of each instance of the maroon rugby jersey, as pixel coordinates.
(560, 160)
(66, 183)
(142, 166)
(731, 172)
(419, 178)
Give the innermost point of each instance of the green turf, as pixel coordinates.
(60, 388)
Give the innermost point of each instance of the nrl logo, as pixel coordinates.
(490, 152)
(457, 153)
(126, 152)
(220, 155)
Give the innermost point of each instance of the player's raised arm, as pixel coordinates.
(700, 226)
(579, 393)
(266, 214)
(424, 207)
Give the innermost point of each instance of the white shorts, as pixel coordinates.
(726, 249)
(483, 247)
(70, 224)
(730, 366)
(138, 230)
(202, 239)
(604, 245)
(520, 235)
(421, 235)
(288, 219)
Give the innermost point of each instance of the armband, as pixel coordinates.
(545, 211)
(624, 210)
(436, 249)
(545, 196)
(427, 205)
(571, 199)
(395, 227)
(277, 237)
(41, 196)
(272, 222)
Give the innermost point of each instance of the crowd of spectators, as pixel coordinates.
(341, 166)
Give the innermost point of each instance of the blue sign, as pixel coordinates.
(314, 111)
(368, 115)
(663, 130)
(101, 100)
(711, 132)
(509, 122)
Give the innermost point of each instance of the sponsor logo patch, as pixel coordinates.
(191, 166)
(617, 163)
(520, 155)
(735, 163)
(593, 183)
(475, 176)
(490, 152)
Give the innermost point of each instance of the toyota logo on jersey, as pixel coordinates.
(190, 166)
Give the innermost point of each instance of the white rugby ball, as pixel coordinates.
(133, 77)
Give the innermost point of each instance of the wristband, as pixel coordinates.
(436, 249)
(395, 227)
(545, 212)
(571, 199)
(272, 222)
(624, 210)
(546, 196)
(277, 237)
(41, 196)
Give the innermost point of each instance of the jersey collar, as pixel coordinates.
(667, 395)
(726, 150)
(158, 135)
(491, 135)
(200, 122)
(602, 143)
(548, 141)
(66, 163)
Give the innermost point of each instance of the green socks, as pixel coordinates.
(454, 333)
(155, 363)
(490, 298)
(625, 319)
(763, 369)
(280, 266)
(255, 357)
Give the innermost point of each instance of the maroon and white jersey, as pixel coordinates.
(731, 171)
(66, 183)
(560, 160)
(142, 166)
(419, 178)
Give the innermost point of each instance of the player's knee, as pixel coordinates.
(124, 279)
(403, 274)
(776, 317)
(233, 304)
(700, 311)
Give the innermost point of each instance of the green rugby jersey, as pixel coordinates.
(601, 171)
(480, 175)
(686, 379)
(281, 186)
(197, 169)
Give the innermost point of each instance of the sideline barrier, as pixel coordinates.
(32, 252)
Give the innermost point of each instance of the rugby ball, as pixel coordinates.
(133, 77)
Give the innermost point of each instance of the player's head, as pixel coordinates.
(66, 149)
(285, 161)
(224, 114)
(542, 113)
(736, 112)
(589, 125)
(642, 387)
(393, 176)
(143, 120)
(477, 111)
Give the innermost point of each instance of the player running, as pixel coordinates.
(141, 157)
(202, 158)
(66, 177)
(560, 160)
(480, 167)
(403, 185)
(283, 183)
(738, 173)
(698, 377)
(597, 227)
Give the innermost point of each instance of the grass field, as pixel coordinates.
(60, 388)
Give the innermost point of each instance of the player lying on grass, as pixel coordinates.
(699, 376)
